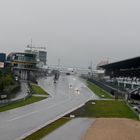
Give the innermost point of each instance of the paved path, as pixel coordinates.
(73, 130)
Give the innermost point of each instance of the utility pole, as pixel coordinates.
(91, 63)
(31, 43)
(58, 62)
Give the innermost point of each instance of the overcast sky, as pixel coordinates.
(75, 31)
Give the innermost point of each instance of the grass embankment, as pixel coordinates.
(98, 91)
(47, 129)
(38, 90)
(105, 109)
(27, 101)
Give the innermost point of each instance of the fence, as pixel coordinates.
(116, 92)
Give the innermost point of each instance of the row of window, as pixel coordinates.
(24, 66)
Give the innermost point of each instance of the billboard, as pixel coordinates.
(1, 64)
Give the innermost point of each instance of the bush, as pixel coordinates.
(6, 79)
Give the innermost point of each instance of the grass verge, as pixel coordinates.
(106, 109)
(17, 104)
(47, 129)
(98, 91)
(38, 90)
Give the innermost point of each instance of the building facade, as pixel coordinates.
(41, 55)
(2, 60)
(23, 65)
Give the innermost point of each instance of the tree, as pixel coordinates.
(1, 84)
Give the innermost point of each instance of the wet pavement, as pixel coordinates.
(18, 123)
(73, 130)
(23, 93)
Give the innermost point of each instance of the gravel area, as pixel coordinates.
(113, 129)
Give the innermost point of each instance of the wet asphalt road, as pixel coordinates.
(18, 123)
(73, 130)
(23, 93)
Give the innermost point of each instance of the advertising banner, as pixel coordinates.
(1, 64)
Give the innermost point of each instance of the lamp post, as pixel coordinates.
(118, 89)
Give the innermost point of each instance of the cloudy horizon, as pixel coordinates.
(74, 31)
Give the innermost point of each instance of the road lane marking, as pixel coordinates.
(22, 116)
(16, 118)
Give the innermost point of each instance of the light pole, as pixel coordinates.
(118, 89)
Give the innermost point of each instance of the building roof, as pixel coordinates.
(132, 63)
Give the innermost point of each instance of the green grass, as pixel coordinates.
(47, 129)
(28, 101)
(38, 90)
(98, 91)
(107, 109)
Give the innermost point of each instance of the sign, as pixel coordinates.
(3, 96)
(1, 64)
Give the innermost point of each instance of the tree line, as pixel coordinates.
(6, 79)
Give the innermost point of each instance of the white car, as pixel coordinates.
(70, 85)
(77, 91)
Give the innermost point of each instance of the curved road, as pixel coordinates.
(18, 123)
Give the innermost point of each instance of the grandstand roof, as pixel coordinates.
(132, 63)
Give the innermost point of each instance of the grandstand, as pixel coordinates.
(125, 68)
(121, 80)
(124, 75)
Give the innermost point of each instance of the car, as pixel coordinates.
(77, 91)
(70, 85)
